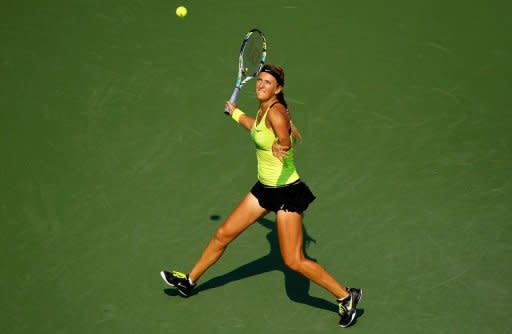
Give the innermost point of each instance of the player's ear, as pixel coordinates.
(279, 89)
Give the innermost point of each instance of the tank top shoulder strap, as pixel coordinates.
(268, 109)
(264, 117)
(273, 104)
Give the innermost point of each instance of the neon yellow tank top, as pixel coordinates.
(271, 171)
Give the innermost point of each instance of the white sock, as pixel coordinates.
(342, 299)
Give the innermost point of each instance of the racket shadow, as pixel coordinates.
(296, 286)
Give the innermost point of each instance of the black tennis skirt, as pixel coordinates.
(294, 197)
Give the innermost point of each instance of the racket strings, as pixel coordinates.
(252, 55)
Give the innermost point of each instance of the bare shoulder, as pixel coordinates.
(278, 113)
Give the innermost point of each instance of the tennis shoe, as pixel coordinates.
(347, 307)
(178, 280)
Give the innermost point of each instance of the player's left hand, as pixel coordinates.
(280, 151)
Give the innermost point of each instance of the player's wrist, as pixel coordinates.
(236, 114)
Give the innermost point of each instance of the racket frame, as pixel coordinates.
(241, 78)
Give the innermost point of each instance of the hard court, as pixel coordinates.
(117, 161)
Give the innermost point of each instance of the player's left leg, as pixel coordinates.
(290, 235)
(289, 229)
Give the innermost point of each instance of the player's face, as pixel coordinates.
(266, 86)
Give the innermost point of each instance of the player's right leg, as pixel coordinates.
(247, 212)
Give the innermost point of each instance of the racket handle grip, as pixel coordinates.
(232, 99)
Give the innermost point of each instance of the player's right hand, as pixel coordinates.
(230, 106)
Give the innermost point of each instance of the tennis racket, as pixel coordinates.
(252, 58)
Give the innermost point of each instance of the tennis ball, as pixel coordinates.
(181, 11)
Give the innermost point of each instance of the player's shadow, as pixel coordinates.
(296, 285)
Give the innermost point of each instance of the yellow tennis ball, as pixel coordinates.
(181, 11)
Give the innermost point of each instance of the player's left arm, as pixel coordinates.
(279, 120)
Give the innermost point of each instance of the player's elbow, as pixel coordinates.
(285, 144)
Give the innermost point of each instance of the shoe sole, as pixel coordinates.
(351, 321)
(355, 312)
(162, 274)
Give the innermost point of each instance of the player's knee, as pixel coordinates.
(223, 237)
(293, 263)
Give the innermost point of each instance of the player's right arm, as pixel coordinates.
(242, 118)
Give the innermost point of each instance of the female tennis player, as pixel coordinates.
(278, 189)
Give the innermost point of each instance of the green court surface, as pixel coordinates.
(117, 162)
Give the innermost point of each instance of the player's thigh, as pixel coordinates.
(290, 235)
(246, 213)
